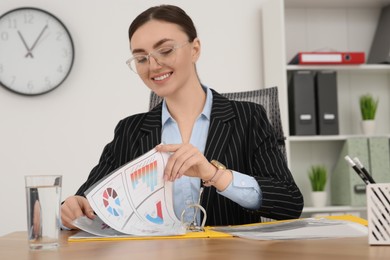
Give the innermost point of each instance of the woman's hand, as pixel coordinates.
(187, 160)
(73, 208)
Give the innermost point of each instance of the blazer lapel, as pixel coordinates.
(151, 129)
(220, 127)
(220, 131)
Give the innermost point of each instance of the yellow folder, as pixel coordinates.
(207, 233)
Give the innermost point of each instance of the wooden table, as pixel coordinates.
(14, 247)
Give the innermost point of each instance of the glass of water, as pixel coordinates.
(43, 197)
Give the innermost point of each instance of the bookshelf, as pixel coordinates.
(290, 26)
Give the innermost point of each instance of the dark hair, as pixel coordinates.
(166, 13)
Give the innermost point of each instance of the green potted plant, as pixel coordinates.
(368, 107)
(318, 176)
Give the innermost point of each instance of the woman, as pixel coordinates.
(201, 129)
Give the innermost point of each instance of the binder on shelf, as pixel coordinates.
(347, 188)
(301, 101)
(379, 159)
(380, 46)
(326, 103)
(328, 58)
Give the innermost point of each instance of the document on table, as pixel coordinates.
(309, 228)
(97, 230)
(134, 200)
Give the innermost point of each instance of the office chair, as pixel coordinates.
(267, 97)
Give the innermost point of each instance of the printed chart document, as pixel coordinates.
(309, 228)
(133, 200)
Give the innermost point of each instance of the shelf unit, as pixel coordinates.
(290, 26)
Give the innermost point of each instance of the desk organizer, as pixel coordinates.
(378, 213)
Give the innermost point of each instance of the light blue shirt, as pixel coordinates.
(243, 190)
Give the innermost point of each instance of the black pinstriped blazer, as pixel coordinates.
(240, 137)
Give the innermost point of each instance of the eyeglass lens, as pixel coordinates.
(164, 56)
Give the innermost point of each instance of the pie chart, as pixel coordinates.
(112, 202)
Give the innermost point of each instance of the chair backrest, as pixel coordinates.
(267, 97)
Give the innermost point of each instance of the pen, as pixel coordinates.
(357, 170)
(363, 169)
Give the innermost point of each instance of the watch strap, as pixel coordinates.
(218, 173)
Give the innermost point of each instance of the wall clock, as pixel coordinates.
(36, 51)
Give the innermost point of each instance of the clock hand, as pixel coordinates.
(39, 36)
(25, 45)
(45, 35)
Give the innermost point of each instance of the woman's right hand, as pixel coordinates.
(73, 208)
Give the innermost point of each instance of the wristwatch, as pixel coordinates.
(220, 167)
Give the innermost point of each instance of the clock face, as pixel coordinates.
(36, 51)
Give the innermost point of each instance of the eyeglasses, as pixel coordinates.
(164, 56)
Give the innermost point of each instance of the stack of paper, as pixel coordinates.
(309, 228)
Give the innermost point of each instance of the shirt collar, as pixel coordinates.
(206, 112)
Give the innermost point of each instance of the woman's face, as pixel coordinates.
(165, 73)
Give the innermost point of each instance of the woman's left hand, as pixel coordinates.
(187, 160)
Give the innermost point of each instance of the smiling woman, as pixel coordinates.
(177, 67)
(226, 148)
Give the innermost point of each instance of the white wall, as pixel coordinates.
(64, 131)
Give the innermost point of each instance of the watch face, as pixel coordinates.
(36, 51)
(219, 165)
